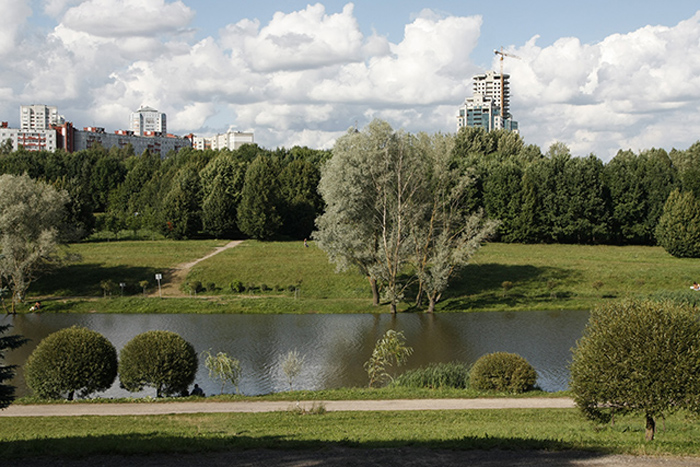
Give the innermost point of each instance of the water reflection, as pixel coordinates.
(335, 346)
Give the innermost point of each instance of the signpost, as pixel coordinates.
(158, 278)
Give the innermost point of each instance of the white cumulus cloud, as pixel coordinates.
(123, 18)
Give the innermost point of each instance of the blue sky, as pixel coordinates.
(598, 76)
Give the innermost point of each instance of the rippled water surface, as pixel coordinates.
(334, 346)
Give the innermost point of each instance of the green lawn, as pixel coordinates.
(540, 429)
(300, 280)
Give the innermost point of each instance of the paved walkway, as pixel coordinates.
(160, 408)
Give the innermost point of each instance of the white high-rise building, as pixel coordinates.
(488, 107)
(148, 122)
(39, 117)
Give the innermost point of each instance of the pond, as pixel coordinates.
(334, 346)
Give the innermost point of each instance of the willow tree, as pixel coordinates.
(448, 235)
(397, 210)
(373, 189)
(31, 213)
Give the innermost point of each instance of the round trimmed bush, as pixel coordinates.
(159, 359)
(504, 372)
(72, 360)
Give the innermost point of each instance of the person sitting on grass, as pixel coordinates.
(695, 286)
(197, 391)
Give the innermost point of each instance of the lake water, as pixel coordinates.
(334, 346)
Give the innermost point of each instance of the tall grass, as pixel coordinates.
(435, 376)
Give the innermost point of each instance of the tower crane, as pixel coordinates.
(503, 85)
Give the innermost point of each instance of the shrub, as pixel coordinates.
(237, 287)
(678, 230)
(504, 372)
(390, 350)
(436, 375)
(7, 372)
(72, 360)
(264, 287)
(640, 358)
(211, 287)
(159, 359)
(195, 286)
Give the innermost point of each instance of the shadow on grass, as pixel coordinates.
(84, 280)
(481, 286)
(279, 450)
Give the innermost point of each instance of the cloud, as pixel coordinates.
(123, 18)
(14, 17)
(625, 91)
(305, 77)
(303, 39)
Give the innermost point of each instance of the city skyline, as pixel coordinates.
(598, 77)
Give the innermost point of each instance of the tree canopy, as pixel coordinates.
(31, 216)
(638, 357)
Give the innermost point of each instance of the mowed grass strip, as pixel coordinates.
(286, 277)
(119, 261)
(523, 429)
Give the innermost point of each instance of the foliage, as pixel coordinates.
(7, 372)
(300, 201)
(435, 376)
(292, 364)
(503, 372)
(69, 361)
(389, 350)
(159, 359)
(223, 368)
(31, 213)
(258, 210)
(222, 184)
(678, 231)
(396, 211)
(640, 358)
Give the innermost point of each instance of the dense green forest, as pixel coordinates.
(550, 197)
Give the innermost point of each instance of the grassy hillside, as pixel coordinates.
(286, 277)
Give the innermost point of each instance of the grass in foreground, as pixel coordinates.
(540, 429)
(540, 277)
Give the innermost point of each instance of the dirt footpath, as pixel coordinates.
(67, 410)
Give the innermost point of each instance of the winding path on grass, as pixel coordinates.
(175, 277)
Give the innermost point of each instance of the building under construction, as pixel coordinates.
(489, 106)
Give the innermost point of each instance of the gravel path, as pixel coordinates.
(66, 410)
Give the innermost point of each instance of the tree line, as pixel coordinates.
(550, 197)
(248, 192)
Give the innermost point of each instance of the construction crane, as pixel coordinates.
(503, 85)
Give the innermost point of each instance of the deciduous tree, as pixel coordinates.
(638, 357)
(31, 214)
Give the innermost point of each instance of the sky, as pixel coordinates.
(598, 76)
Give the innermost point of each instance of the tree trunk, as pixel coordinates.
(651, 428)
(392, 307)
(431, 303)
(375, 291)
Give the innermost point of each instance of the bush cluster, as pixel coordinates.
(81, 361)
(503, 372)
